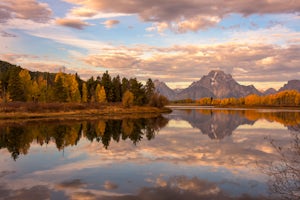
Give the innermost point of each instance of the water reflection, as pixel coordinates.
(16, 138)
(219, 123)
(120, 159)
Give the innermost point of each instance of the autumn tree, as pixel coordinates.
(72, 87)
(158, 100)
(84, 97)
(26, 82)
(128, 99)
(100, 95)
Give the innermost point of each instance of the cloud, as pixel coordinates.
(6, 34)
(72, 23)
(75, 183)
(189, 15)
(83, 12)
(24, 9)
(251, 62)
(111, 23)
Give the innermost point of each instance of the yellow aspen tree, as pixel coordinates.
(26, 83)
(100, 95)
(84, 97)
(127, 99)
(73, 89)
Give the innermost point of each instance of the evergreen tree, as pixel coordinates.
(60, 92)
(80, 82)
(117, 89)
(150, 89)
(107, 84)
(91, 87)
(15, 87)
(125, 85)
(138, 91)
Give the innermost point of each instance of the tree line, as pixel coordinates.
(283, 98)
(19, 84)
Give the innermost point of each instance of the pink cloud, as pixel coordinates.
(189, 15)
(24, 9)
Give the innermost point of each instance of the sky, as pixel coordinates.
(175, 41)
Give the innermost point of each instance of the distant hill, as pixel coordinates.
(270, 91)
(6, 68)
(216, 84)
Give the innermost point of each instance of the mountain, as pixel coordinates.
(270, 91)
(162, 88)
(216, 84)
(291, 85)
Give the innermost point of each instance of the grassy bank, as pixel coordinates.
(19, 110)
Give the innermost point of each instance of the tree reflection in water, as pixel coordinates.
(16, 138)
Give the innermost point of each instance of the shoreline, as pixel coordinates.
(69, 111)
(239, 107)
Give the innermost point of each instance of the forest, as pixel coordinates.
(21, 85)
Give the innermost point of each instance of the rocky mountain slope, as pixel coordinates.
(216, 84)
(291, 85)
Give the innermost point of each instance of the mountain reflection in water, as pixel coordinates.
(218, 124)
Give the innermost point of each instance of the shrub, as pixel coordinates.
(158, 101)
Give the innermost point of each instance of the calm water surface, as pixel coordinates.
(188, 154)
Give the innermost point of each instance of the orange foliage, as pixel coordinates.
(284, 98)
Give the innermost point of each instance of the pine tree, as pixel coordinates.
(15, 88)
(91, 87)
(149, 89)
(107, 84)
(60, 92)
(117, 89)
(125, 85)
(138, 91)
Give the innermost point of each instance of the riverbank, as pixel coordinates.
(197, 106)
(19, 110)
